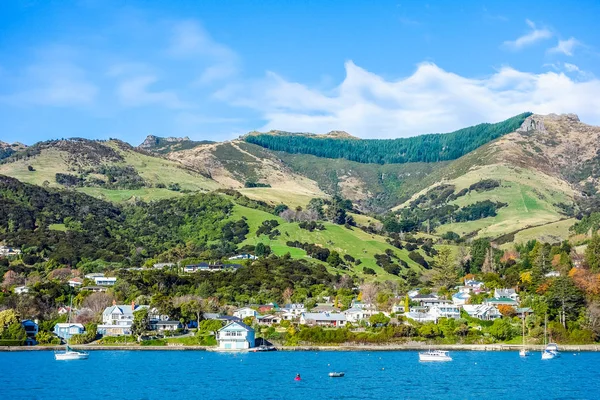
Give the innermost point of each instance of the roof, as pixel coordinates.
(67, 325)
(425, 296)
(324, 316)
(461, 295)
(124, 309)
(240, 323)
(504, 292)
(500, 300)
(171, 322)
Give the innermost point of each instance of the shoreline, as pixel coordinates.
(403, 347)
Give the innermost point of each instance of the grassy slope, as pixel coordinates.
(153, 169)
(531, 197)
(356, 243)
(551, 233)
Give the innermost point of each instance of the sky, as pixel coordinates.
(214, 70)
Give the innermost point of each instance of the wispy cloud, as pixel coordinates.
(430, 100)
(565, 47)
(53, 79)
(190, 40)
(135, 92)
(533, 36)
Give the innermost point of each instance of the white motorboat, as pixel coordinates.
(551, 350)
(434, 355)
(336, 374)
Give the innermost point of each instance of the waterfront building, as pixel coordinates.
(235, 336)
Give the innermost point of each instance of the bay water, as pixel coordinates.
(381, 375)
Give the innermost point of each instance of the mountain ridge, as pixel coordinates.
(544, 167)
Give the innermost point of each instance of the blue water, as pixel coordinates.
(369, 375)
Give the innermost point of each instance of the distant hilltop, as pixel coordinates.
(163, 145)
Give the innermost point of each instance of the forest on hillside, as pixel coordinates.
(66, 227)
(424, 148)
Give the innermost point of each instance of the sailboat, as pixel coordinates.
(523, 352)
(551, 349)
(69, 353)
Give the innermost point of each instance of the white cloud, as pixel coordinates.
(572, 67)
(135, 92)
(190, 41)
(535, 35)
(430, 100)
(565, 47)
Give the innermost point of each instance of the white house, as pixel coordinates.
(93, 275)
(165, 325)
(474, 285)
(460, 298)
(243, 257)
(398, 308)
(356, 314)
(21, 289)
(506, 293)
(445, 311)
(269, 319)
(294, 308)
(242, 313)
(117, 319)
(75, 282)
(482, 311)
(66, 330)
(9, 251)
(235, 336)
(105, 281)
(430, 299)
(163, 265)
(420, 316)
(323, 319)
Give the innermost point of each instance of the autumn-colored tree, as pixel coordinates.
(11, 278)
(369, 292)
(97, 302)
(586, 280)
(508, 256)
(287, 295)
(60, 274)
(506, 310)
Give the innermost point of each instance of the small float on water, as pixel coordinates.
(336, 374)
(297, 378)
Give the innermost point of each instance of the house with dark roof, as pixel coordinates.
(323, 319)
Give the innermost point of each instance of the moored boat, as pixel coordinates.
(434, 355)
(69, 353)
(336, 374)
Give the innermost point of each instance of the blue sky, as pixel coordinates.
(218, 69)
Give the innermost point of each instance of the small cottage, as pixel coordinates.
(235, 336)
